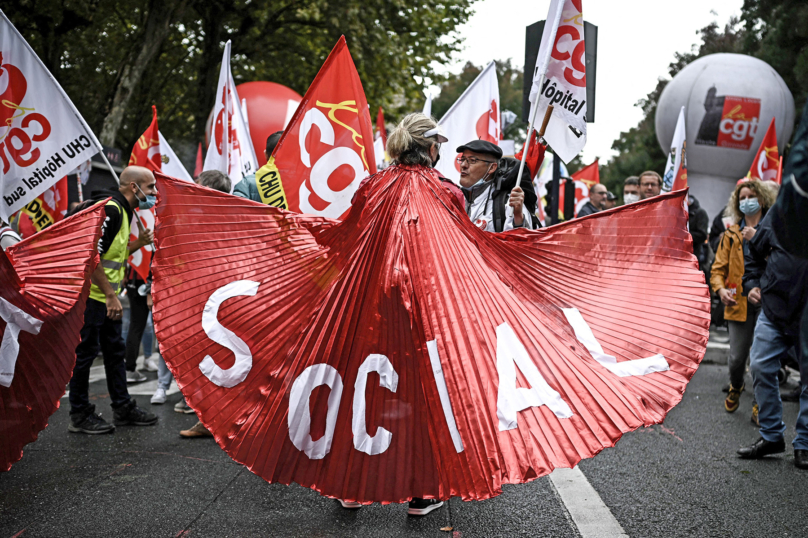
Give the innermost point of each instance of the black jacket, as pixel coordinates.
(698, 221)
(791, 209)
(504, 182)
(588, 209)
(717, 229)
(781, 277)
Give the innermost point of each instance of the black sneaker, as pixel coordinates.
(421, 507)
(132, 414)
(89, 422)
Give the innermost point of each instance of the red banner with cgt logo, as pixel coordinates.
(327, 149)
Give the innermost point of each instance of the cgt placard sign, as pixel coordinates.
(729, 121)
(42, 135)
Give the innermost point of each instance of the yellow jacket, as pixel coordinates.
(727, 271)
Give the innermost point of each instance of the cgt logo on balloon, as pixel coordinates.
(729, 121)
(335, 171)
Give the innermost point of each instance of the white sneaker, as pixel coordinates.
(151, 364)
(350, 505)
(159, 397)
(135, 377)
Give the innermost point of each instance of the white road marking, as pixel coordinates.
(592, 517)
(717, 345)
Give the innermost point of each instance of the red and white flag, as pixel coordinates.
(231, 150)
(403, 352)
(474, 116)
(44, 283)
(153, 152)
(327, 149)
(43, 211)
(170, 164)
(584, 179)
(766, 165)
(675, 177)
(560, 79)
(42, 135)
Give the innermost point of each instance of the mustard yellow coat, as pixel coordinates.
(727, 271)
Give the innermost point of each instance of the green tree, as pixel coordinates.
(115, 59)
(776, 31)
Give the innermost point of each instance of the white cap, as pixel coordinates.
(437, 131)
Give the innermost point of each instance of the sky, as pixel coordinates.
(637, 40)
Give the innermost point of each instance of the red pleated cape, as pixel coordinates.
(405, 353)
(44, 279)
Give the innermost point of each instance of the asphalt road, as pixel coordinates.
(677, 479)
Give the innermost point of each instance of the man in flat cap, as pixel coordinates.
(494, 200)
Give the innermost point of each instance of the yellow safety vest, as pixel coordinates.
(114, 259)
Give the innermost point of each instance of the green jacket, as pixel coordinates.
(264, 186)
(246, 188)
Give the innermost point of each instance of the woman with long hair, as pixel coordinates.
(747, 206)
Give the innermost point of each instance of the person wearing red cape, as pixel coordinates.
(403, 353)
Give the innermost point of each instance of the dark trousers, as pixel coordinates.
(138, 316)
(99, 333)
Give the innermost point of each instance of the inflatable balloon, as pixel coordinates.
(729, 101)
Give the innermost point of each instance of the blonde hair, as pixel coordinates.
(407, 143)
(766, 196)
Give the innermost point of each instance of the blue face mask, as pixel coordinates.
(149, 202)
(750, 206)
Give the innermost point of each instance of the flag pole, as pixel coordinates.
(544, 123)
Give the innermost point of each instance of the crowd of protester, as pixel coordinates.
(760, 289)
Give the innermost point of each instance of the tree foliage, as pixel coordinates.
(776, 31)
(93, 49)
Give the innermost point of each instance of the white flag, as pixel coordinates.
(475, 116)
(560, 79)
(676, 168)
(428, 104)
(170, 164)
(231, 150)
(42, 135)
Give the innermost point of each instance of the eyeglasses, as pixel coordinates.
(472, 160)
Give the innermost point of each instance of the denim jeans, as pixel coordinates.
(148, 337)
(740, 342)
(99, 333)
(164, 376)
(769, 345)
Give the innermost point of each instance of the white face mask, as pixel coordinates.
(631, 198)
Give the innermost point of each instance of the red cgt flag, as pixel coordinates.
(44, 283)
(146, 153)
(45, 210)
(403, 352)
(766, 165)
(327, 149)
